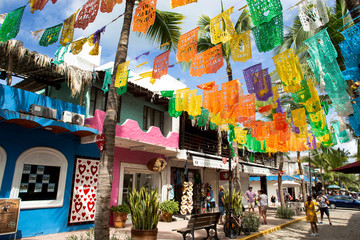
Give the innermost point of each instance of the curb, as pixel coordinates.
(273, 229)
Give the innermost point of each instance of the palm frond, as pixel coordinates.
(166, 29)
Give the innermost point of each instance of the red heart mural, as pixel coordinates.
(86, 190)
(92, 216)
(78, 206)
(82, 168)
(76, 195)
(88, 162)
(90, 205)
(77, 180)
(84, 207)
(95, 180)
(87, 178)
(73, 218)
(94, 169)
(100, 142)
(93, 195)
(85, 199)
(83, 214)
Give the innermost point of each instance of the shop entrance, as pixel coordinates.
(134, 178)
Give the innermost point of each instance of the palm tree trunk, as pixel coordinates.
(301, 171)
(351, 5)
(281, 193)
(102, 214)
(228, 69)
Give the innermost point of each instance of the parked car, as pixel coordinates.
(343, 201)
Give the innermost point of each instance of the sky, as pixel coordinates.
(53, 14)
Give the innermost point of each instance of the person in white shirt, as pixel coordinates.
(323, 202)
(263, 201)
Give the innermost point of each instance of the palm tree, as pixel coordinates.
(165, 29)
(352, 6)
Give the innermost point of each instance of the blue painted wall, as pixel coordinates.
(15, 140)
(15, 99)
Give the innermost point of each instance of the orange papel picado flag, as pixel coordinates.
(209, 61)
(144, 16)
(161, 65)
(178, 3)
(222, 35)
(121, 74)
(187, 47)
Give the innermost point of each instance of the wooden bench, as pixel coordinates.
(205, 221)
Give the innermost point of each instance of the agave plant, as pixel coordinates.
(144, 206)
(236, 202)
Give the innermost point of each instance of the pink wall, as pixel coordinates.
(131, 130)
(126, 156)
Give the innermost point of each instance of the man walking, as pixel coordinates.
(221, 204)
(323, 202)
(250, 197)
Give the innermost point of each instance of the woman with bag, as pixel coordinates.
(324, 202)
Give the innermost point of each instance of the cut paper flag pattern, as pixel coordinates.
(144, 16)
(187, 47)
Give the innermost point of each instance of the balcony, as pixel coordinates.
(195, 142)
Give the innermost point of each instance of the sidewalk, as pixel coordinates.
(165, 230)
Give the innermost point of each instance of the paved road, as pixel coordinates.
(346, 225)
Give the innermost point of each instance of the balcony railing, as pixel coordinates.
(200, 144)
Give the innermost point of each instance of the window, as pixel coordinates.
(153, 117)
(2, 164)
(39, 178)
(97, 100)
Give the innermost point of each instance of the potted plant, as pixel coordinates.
(144, 208)
(167, 209)
(120, 215)
(236, 202)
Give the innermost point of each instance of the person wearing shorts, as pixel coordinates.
(263, 202)
(221, 204)
(323, 203)
(250, 197)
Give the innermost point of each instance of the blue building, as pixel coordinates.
(39, 157)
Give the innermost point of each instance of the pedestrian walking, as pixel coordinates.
(273, 200)
(323, 202)
(221, 204)
(263, 202)
(311, 215)
(250, 197)
(257, 203)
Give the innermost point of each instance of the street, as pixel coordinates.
(346, 225)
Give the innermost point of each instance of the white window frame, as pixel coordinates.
(46, 157)
(2, 164)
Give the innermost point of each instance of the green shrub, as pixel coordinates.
(251, 220)
(236, 202)
(169, 206)
(123, 208)
(284, 213)
(144, 208)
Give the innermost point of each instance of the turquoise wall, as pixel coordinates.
(133, 108)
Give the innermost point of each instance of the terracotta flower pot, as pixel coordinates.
(119, 219)
(167, 217)
(144, 234)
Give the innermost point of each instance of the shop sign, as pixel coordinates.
(211, 163)
(9, 215)
(256, 170)
(100, 141)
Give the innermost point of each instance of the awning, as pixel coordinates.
(55, 126)
(349, 168)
